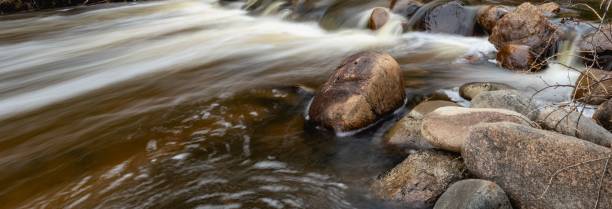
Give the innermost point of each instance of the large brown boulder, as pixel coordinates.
(540, 169)
(447, 128)
(487, 16)
(593, 86)
(366, 87)
(473, 194)
(572, 123)
(420, 179)
(603, 115)
(471, 90)
(527, 26)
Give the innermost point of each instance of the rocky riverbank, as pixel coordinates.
(505, 150)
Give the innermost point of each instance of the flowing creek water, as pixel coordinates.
(196, 104)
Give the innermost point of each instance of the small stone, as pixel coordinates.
(487, 16)
(470, 90)
(378, 18)
(507, 99)
(473, 194)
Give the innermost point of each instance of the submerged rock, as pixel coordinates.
(473, 194)
(447, 128)
(518, 58)
(487, 16)
(573, 124)
(405, 136)
(539, 169)
(420, 179)
(593, 86)
(603, 115)
(425, 107)
(378, 18)
(507, 99)
(597, 42)
(470, 90)
(450, 18)
(366, 87)
(527, 26)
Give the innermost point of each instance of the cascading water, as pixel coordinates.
(189, 104)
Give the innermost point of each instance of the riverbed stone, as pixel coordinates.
(549, 9)
(597, 42)
(594, 86)
(448, 127)
(603, 115)
(571, 123)
(473, 194)
(366, 87)
(487, 16)
(450, 18)
(405, 8)
(526, 25)
(426, 107)
(539, 169)
(507, 99)
(470, 90)
(378, 18)
(420, 179)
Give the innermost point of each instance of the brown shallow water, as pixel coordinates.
(189, 104)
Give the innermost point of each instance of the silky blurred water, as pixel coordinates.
(194, 104)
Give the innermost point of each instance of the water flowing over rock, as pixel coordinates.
(471, 90)
(573, 124)
(447, 128)
(526, 25)
(593, 86)
(603, 115)
(540, 169)
(473, 194)
(366, 87)
(420, 179)
(507, 99)
(378, 18)
(487, 16)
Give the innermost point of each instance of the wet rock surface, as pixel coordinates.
(471, 90)
(366, 87)
(426, 107)
(603, 115)
(473, 194)
(420, 179)
(593, 86)
(571, 123)
(406, 8)
(597, 42)
(378, 18)
(447, 128)
(518, 58)
(539, 169)
(507, 99)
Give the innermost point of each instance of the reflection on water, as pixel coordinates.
(185, 104)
